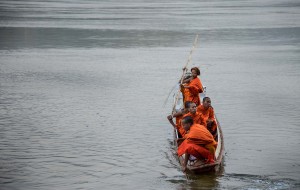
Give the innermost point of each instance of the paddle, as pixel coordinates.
(184, 70)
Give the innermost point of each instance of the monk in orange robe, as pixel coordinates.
(179, 115)
(192, 86)
(192, 112)
(208, 116)
(198, 142)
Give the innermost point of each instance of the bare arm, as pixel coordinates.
(186, 159)
(170, 119)
(187, 80)
(179, 113)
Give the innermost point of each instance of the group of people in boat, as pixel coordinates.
(195, 123)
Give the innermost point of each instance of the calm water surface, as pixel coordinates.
(83, 85)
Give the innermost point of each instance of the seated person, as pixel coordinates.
(179, 115)
(208, 116)
(192, 112)
(198, 142)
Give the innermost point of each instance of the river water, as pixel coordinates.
(83, 86)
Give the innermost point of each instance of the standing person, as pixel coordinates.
(208, 115)
(198, 142)
(192, 86)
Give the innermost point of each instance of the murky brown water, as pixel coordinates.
(83, 85)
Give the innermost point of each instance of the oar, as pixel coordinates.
(184, 71)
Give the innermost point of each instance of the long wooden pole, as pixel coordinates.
(184, 70)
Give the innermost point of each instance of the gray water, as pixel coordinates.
(83, 85)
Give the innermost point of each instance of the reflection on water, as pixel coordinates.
(83, 85)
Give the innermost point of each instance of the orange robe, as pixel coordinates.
(192, 93)
(197, 117)
(198, 142)
(208, 114)
(179, 126)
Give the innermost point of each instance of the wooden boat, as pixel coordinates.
(195, 165)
